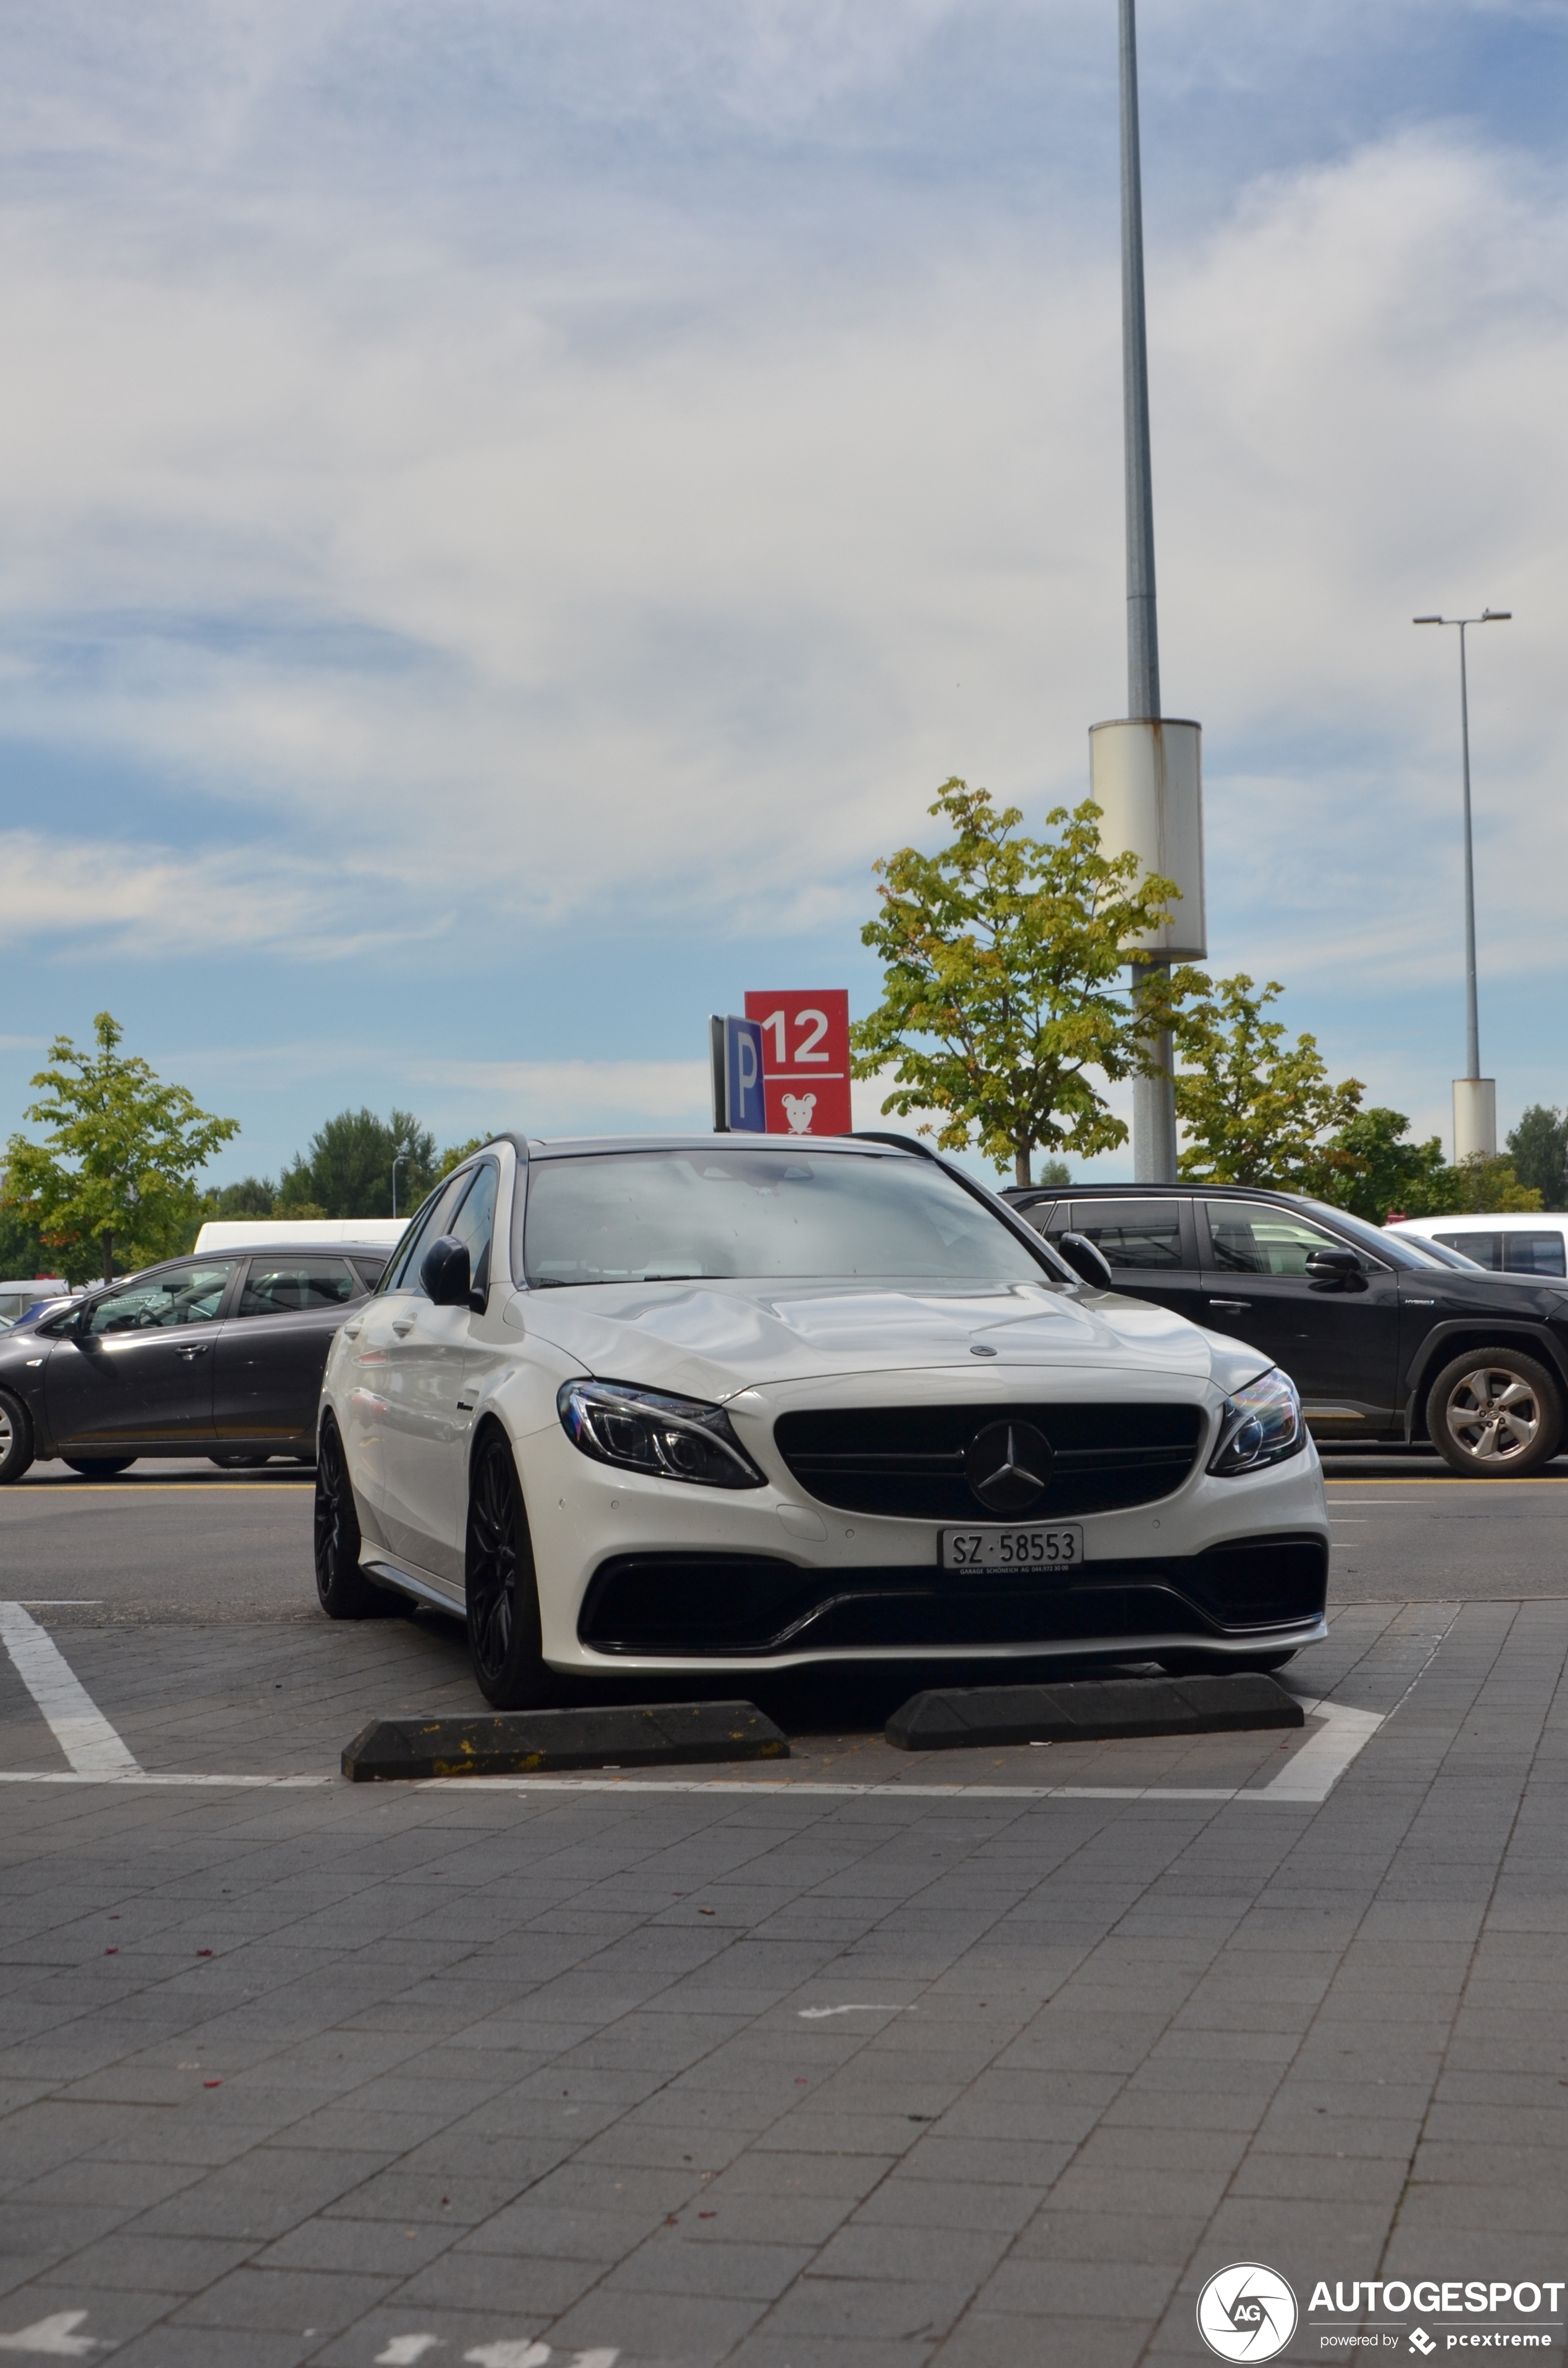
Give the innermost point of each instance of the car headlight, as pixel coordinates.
(646, 1430)
(1260, 1424)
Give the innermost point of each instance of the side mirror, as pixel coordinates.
(1089, 1264)
(1332, 1270)
(443, 1272)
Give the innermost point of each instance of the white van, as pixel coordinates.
(261, 1233)
(1535, 1242)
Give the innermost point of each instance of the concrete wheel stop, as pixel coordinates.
(1091, 1710)
(532, 1742)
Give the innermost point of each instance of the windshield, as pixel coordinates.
(1394, 1249)
(1440, 1254)
(652, 1216)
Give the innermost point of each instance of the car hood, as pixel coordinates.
(712, 1340)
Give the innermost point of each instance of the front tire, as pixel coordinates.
(503, 1637)
(1494, 1415)
(342, 1588)
(16, 1439)
(99, 1468)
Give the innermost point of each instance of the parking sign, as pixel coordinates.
(738, 1106)
(805, 1058)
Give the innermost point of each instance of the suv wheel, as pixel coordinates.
(342, 1588)
(1494, 1415)
(16, 1438)
(504, 1639)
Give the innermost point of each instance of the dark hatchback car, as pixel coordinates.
(1384, 1337)
(219, 1355)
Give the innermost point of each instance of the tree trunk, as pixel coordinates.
(109, 1257)
(1021, 1164)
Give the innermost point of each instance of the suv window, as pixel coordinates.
(1142, 1234)
(1249, 1237)
(187, 1294)
(293, 1286)
(1513, 1253)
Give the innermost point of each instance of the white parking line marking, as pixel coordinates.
(54, 2335)
(134, 1776)
(74, 1720)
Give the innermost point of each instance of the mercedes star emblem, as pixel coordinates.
(1008, 1464)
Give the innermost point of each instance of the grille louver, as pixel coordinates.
(908, 1462)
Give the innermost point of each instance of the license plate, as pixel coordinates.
(1058, 1549)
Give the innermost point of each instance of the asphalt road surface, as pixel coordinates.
(863, 2060)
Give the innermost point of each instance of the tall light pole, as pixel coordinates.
(397, 1163)
(1475, 1096)
(1145, 772)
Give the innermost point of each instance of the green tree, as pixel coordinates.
(348, 1170)
(1003, 994)
(456, 1153)
(1483, 1187)
(22, 1254)
(1376, 1171)
(253, 1196)
(1254, 1109)
(119, 1163)
(1538, 1147)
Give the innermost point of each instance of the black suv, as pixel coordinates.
(1382, 1334)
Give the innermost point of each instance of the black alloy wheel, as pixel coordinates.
(99, 1468)
(16, 1438)
(342, 1588)
(1494, 1415)
(504, 1638)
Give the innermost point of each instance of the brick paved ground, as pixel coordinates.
(510, 2068)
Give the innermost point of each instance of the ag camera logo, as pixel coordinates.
(1246, 2312)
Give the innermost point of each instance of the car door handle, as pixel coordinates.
(1230, 1303)
(196, 1348)
(403, 1325)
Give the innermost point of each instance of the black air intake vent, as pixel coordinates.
(910, 1461)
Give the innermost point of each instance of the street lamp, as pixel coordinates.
(1475, 1096)
(397, 1163)
(1145, 769)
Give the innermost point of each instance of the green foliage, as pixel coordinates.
(1054, 1171)
(1538, 1147)
(118, 1168)
(347, 1171)
(253, 1196)
(22, 1254)
(457, 1153)
(1001, 994)
(1378, 1170)
(1254, 1109)
(1485, 1187)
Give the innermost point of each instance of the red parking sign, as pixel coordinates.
(805, 1058)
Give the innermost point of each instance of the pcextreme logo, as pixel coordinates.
(1246, 2312)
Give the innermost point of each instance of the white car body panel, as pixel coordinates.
(411, 1385)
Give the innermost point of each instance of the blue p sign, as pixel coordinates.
(744, 1108)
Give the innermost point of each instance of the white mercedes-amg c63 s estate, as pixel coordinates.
(723, 1403)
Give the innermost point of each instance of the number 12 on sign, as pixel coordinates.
(805, 1058)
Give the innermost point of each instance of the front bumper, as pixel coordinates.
(637, 1572)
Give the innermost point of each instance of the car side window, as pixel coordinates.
(1486, 1249)
(1144, 1235)
(189, 1294)
(402, 1274)
(1250, 1237)
(474, 1223)
(296, 1286)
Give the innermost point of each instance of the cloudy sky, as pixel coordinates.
(507, 507)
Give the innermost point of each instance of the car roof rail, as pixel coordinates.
(898, 1141)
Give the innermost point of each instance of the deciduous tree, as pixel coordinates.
(1005, 1003)
(119, 1165)
(1253, 1107)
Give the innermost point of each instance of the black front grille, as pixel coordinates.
(909, 1461)
(715, 1603)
